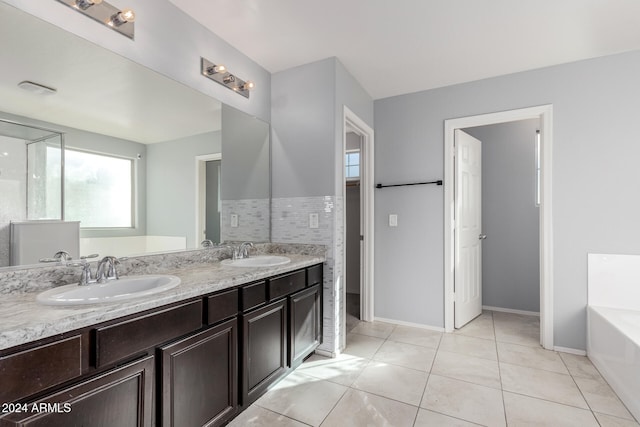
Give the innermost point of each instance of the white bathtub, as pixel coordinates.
(613, 346)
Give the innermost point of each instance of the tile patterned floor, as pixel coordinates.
(492, 372)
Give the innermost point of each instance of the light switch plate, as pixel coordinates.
(313, 220)
(234, 220)
(393, 220)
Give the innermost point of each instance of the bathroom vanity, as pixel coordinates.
(203, 352)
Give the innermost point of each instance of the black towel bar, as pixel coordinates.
(438, 182)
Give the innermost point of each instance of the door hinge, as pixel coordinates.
(361, 238)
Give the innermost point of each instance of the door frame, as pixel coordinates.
(545, 114)
(201, 205)
(352, 121)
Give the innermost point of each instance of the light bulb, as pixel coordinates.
(86, 4)
(248, 85)
(122, 17)
(215, 69)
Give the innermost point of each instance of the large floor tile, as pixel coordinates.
(416, 336)
(303, 398)
(428, 418)
(541, 384)
(471, 402)
(407, 355)
(471, 346)
(528, 411)
(533, 357)
(611, 421)
(343, 369)
(394, 382)
(358, 408)
(480, 327)
(256, 416)
(374, 329)
(517, 329)
(467, 368)
(601, 398)
(580, 366)
(362, 345)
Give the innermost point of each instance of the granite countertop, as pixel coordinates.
(24, 320)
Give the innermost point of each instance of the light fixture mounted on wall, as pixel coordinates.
(219, 74)
(121, 21)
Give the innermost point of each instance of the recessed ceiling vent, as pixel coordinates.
(36, 88)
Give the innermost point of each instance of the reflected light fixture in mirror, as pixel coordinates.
(121, 21)
(220, 74)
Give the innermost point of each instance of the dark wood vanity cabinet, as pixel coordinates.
(196, 362)
(264, 346)
(278, 336)
(199, 378)
(305, 320)
(120, 397)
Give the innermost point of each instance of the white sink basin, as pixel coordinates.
(114, 290)
(258, 261)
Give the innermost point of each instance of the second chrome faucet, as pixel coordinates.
(105, 270)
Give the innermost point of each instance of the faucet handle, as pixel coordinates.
(90, 256)
(85, 276)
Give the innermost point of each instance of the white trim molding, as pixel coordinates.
(545, 114)
(352, 121)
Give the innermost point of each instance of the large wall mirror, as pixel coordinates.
(140, 162)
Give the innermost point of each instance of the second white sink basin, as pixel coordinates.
(114, 290)
(258, 261)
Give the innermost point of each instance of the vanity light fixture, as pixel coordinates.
(102, 11)
(220, 74)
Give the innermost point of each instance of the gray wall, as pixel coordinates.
(303, 130)
(170, 42)
(171, 177)
(352, 237)
(596, 104)
(245, 151)
(510, 217)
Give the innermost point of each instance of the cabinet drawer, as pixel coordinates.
(121, 340)
(221, 306)
(253, 295)
(120, 397)
(287, 284)
(39, 368)
(314, 275)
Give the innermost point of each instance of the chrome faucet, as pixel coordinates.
(242, 251)
(60, 256)
(207, 243)
(105, 270)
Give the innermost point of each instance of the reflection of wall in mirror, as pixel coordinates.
(13, 206)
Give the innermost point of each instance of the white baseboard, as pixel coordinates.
(414, 325)
(570, 351)
(325, 353)
(509, 310)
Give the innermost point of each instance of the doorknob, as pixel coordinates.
(482, 236)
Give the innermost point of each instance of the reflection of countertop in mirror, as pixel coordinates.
(24, 320)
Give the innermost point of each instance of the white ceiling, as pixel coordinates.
(394, 47)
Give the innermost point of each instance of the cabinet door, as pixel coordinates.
(121, 397)
(199, 374)
(305, 318)
(264, 350)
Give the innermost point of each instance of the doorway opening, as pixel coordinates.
(356, 175)
(454, 271)
(208, 206)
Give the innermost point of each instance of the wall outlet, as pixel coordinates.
(234, 220)
(393, 220)
(313, 220)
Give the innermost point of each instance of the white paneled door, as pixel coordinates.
(468, 228)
